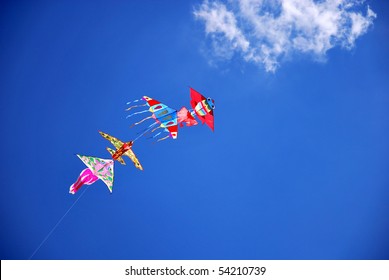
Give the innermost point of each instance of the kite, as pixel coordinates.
(169, 118)
(98, 168)
(203, 107)
(164, 116)
(122, 148)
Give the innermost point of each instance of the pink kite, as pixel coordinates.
(185, 116)
(86, 177)
(98, 168)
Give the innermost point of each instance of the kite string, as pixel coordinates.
(148, 129)
(57, 224)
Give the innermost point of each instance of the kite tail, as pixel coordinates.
(136, 113)
(154, 135)
(134, 101)
(161, 139)
(135, 106)
(156, 129)
(134, 124)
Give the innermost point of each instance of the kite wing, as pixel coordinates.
(116, 142)
(102, 168)
(134, 159)
(203, 107)
(166, 116)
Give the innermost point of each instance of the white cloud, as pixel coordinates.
(265, 31)
(220, 20)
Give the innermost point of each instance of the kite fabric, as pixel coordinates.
(185, 116)
(98, 168)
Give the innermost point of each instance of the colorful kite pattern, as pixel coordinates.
(168, 119)
(98, 168)
(164, 117)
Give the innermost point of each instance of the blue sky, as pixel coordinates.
(297, 167)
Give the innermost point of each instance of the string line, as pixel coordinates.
(57, 224)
